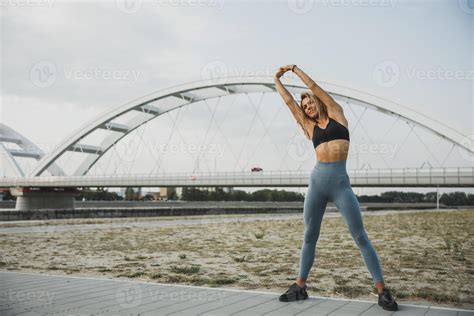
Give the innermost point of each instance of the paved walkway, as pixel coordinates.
(39, 294)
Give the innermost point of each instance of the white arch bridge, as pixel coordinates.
(139, 112)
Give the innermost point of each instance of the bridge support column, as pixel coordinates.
(44, 198)
(437, 196)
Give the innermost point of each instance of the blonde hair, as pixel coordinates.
(321, 109)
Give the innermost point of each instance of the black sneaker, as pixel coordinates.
(387, 301)
(294, 293)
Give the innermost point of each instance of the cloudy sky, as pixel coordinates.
(65, 62)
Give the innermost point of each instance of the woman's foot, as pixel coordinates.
(387, 301)
(294, 293)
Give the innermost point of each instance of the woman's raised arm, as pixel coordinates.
(317, 90)
(295, 109)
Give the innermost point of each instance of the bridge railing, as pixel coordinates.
(370, 177)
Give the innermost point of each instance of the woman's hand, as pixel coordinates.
(282, 70)
(288, 67)
(279, 73)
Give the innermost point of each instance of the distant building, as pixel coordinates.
(166, 193)
(121, 193)
(228, 189)
(154, 194)
(3, 193)
(214, 189)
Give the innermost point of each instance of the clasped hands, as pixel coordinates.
(283, 69)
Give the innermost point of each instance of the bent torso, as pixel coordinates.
(333, 150)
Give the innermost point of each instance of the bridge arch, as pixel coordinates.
(163, 101)
(27, 150)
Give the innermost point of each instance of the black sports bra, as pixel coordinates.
(331, 132)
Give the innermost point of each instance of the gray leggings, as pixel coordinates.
(330, 181)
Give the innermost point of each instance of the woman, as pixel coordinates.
(323, 121)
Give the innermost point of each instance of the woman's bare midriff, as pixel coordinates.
(334, 150)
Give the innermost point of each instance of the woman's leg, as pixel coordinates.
(346, 202)
(314, 206)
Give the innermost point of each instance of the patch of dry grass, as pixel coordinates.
(425, 256)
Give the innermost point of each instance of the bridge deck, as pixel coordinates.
(36, 294)
(380, 177)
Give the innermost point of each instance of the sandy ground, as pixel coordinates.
(426, 256)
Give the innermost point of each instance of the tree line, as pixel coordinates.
(199, 194)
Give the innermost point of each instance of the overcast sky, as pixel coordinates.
(416, 53)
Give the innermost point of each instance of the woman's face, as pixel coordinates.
(309, 107)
